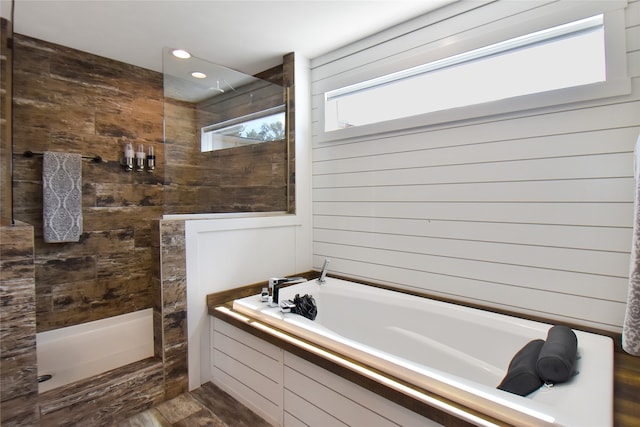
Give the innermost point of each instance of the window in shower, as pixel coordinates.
(263, 126)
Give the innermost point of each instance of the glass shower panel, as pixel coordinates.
(225, 140)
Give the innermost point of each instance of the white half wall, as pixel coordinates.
(228, 252)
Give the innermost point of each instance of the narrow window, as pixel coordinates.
(268, 125)
(561, 57)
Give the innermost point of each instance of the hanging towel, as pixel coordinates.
(631, 327)
(62, 197)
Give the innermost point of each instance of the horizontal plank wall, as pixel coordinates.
(249, 369)
(314, 396)
(287, 390)
(528, 212)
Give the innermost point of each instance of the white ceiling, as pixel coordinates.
(248, 36)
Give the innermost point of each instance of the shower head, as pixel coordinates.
(217, 88)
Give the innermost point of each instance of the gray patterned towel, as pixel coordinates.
(631, 327)
(62, 197)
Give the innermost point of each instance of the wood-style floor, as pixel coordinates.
(206, 406)
(210, 406)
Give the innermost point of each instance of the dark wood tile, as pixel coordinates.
(179, 408)
(104, 399)
(202, 418)
(149, 418)
(72, 101)
(207, 406)
(227, 408)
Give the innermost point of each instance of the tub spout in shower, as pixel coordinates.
(323, 273)
(44, 377)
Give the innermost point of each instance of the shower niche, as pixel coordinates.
(228, 138)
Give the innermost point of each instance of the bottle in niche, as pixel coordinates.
(151, 159)
(128, 157)
(140, 157)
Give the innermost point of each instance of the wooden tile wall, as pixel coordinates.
(105, 399)
(5, 122)
(243, 179)
(127, 258)
(18, 369)
(71, 101)
(170, 305)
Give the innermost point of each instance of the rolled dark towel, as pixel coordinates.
(305, 306)
(557, 359)
(522, 377)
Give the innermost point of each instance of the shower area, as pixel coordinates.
(126, 273)
(228, 144)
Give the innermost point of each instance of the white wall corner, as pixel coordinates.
(224, 253)
(302, 72)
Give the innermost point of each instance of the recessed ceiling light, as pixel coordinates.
(198, 75)
(182, 54)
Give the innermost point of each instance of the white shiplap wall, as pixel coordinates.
(528, 211)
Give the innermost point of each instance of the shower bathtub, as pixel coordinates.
(456, 352)
(82, 351)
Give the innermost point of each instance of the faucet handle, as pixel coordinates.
(287, 305)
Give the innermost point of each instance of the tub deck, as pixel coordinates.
(456, 352)
(626, 375)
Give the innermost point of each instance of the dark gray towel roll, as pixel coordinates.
(522, 377)
(557, 359)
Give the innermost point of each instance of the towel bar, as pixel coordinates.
(94, 159)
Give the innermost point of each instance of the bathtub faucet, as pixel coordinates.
(274, 287)
(323, 273)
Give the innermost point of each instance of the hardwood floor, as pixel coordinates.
(206, 406)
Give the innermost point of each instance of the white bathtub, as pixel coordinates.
(457, 352)
(77, 352)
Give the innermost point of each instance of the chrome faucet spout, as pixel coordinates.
(274, 290)
(274, 287)
(323, 273)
